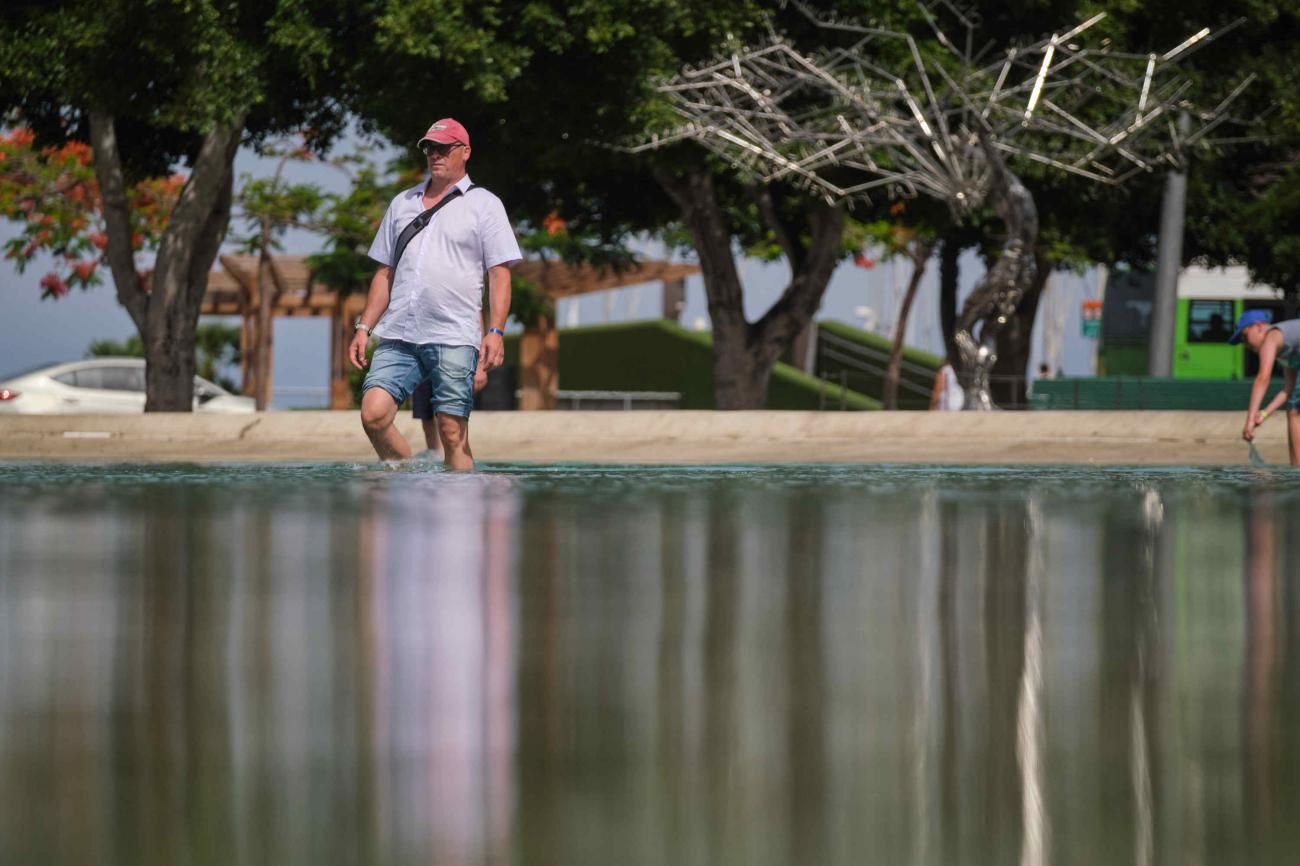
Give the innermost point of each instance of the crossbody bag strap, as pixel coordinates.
(417, 225)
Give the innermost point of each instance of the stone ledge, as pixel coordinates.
(1139, 438)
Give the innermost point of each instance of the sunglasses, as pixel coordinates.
(428, 148)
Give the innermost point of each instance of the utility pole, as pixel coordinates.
(1169, 261)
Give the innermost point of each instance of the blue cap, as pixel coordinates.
(1248, 318)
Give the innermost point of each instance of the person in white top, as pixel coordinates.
(425, 301)
(947, 394)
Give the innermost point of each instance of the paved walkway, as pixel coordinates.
(668, 437)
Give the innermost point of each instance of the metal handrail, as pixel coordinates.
(875, 354)
(859, 366)
(626, 397)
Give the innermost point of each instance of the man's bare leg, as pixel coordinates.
(378, 412)
(431, 438)
(454, 432)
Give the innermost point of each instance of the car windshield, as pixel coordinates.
(204, 388)
(26, 372)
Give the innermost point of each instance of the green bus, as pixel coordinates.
(1209, 304)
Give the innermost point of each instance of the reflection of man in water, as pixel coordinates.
(1217, 331)
(436, 567)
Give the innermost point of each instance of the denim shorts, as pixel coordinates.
(398, 367)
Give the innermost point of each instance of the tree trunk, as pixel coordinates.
(744, 353)
(266, 297)
(992, 303)
(165, 308)
(949, 274)
(920, 254)
(1011, 370)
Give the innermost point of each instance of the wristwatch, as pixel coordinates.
(359, 325)
(496, 331)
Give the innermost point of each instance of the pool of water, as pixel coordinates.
(589, 666)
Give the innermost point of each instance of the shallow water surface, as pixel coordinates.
(588, 666)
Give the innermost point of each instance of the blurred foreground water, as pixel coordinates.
(583, 666)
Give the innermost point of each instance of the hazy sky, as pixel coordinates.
(44, 332)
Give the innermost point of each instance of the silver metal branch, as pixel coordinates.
(882, 111)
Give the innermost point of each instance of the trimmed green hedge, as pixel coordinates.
(659, 355)
(875, 341)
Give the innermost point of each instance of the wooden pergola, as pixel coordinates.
(232, 291)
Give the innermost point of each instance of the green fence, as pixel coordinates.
(1140, 392)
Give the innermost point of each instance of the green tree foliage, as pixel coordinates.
(150, 84)
(348, 222)
(586, 82)
(1241, 208)
(268, 208)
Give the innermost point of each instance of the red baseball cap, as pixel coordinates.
(446, 131)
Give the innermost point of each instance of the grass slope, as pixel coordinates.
(659, 355)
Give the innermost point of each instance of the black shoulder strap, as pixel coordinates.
(417, 225)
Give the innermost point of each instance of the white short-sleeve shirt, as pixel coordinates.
(437, 294)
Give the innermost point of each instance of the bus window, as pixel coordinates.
(1209, 321)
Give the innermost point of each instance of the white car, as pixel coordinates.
(99, 385)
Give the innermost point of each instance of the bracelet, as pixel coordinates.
(496, 331)
(359, 325)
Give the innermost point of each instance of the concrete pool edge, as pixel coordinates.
(668, 437)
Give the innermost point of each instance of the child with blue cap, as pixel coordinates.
(1280, 342)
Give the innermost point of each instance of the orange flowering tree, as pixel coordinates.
(52, 193)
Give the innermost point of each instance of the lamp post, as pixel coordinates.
(1169, 261)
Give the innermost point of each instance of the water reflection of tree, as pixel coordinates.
(235, 663)
(1136, 561)
(174, 743)
(543, 743)
(714, 674)
(808, 727)
(1002, 564)
(982, 591)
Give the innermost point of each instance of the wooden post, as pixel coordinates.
(539, 365)
(337, 350)
(246, 360)
(340, 337)
(266, 298)
(674, 299)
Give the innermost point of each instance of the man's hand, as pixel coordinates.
(493, 351)
(357, 349)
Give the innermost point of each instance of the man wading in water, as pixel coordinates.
(434, 246)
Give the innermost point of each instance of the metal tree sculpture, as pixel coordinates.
(884, 111)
